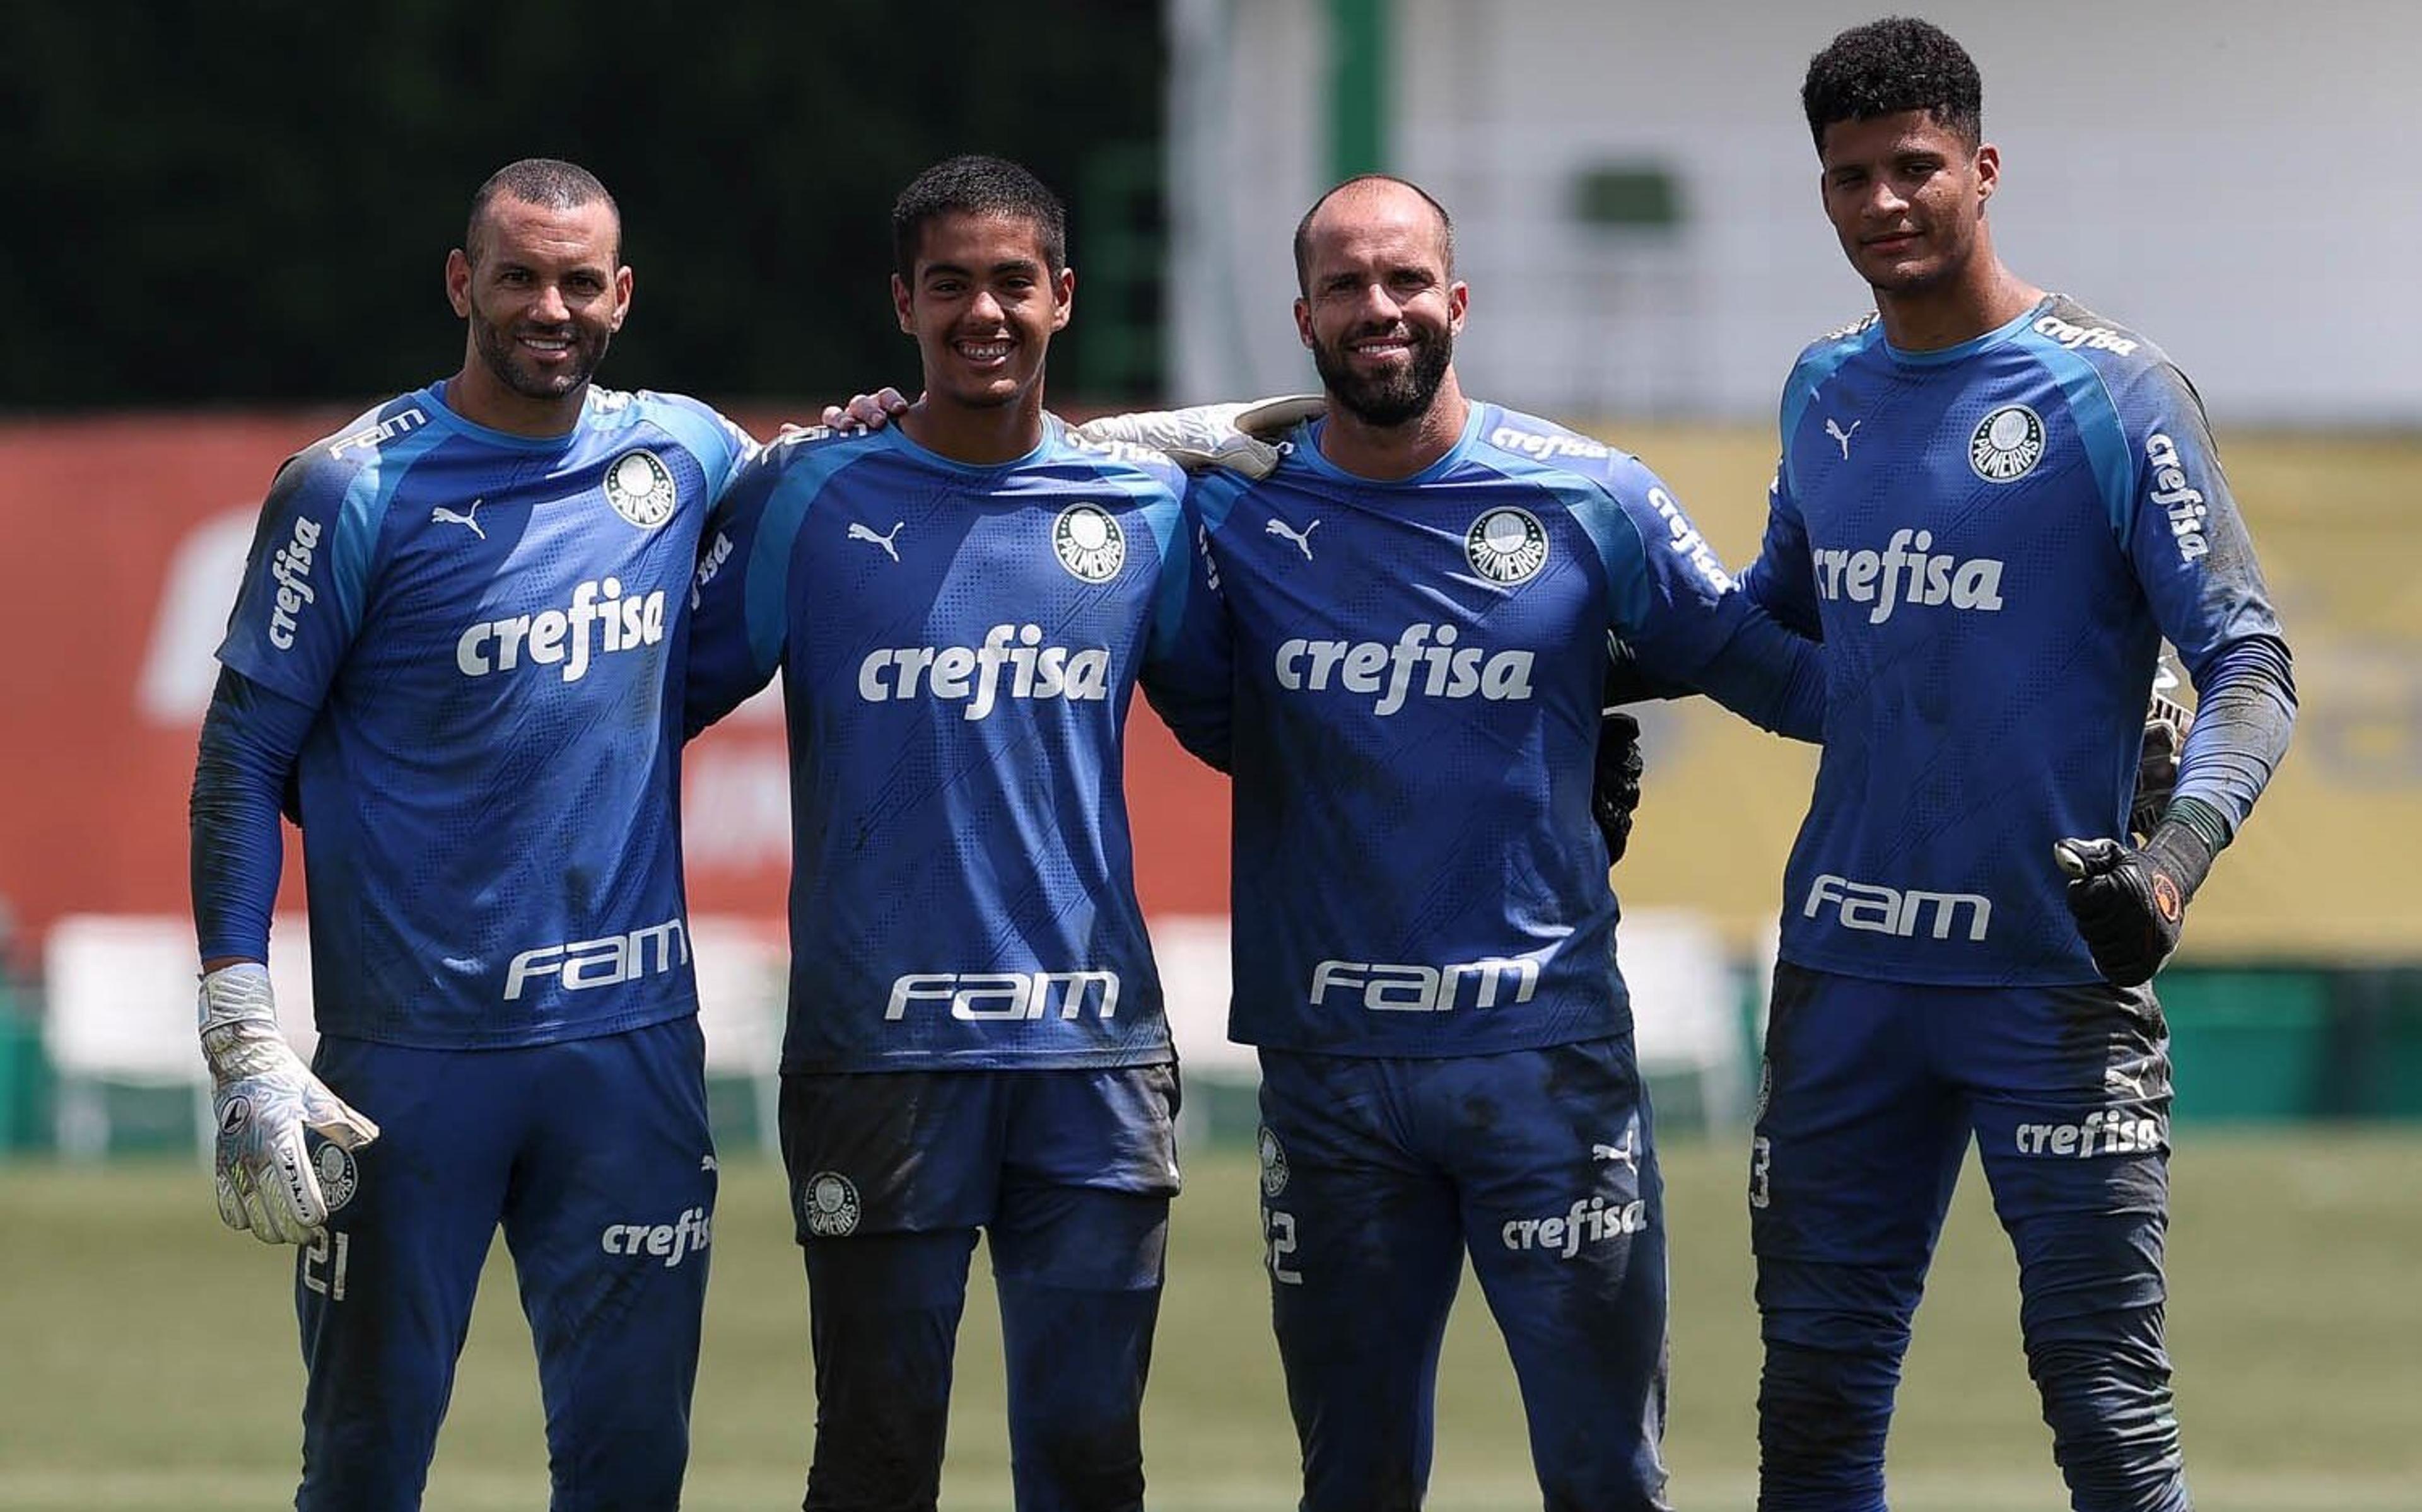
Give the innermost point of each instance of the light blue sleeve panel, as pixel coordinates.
(1190, 667)
(2176, 522)
(1783, 579)
(2195, 558)
(308, 579)
(1666, 588)
(739, 599)
(1819, 362)
(1685, 619)
(720, 446)
(2181, 529)
(2100, 426)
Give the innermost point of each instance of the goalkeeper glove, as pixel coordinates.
(1615, 791)
(1242, 438)
(265, 1098)
(2130, 903)
(2166, 723)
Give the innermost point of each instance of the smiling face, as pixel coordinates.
(543, 294)
(1907, 197)
(1380, 307)
(983, 303)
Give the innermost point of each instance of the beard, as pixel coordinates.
(496, 348)
(1392, 399)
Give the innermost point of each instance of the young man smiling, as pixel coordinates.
(1992, 506)
(1409, 603)
(961, 604)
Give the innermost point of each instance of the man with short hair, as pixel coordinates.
(1407, 607)
(1992, 506)
(1411, 608)
(454, 659)
(961, 605)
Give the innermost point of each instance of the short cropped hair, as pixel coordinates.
(1303, 227)
(548, 182)
(1886, 67)
(973, 184)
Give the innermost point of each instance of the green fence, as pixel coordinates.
(2248, 1044)
(25, 1075)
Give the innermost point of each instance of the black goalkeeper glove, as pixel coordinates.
(2130, 903)
(1615, 791)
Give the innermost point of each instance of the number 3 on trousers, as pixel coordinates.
(1761, 1162)
(1281, 1230)
(323, 1264)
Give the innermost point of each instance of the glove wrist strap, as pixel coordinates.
(237, 1019)
(2179, 851)
(2209, 824)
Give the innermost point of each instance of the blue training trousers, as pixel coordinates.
(1379, 1177)
(594, 1156)
(1870, 1095)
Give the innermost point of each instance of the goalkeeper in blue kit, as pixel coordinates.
(961, 605)
(1410, 609)
(1992, 506)
(456, 655)
(1395, 641)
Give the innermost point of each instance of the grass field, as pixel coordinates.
(148, 1359)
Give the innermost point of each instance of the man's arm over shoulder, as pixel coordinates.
(1779, 582)
(1188, 670)
(739, 628)
(1682, 615)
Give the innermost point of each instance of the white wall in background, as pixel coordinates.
(2233, 179)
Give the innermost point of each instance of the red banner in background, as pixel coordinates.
(124, 539)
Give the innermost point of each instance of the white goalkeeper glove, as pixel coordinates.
(2167, 723)
(265, 1098)
(1242, 438)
